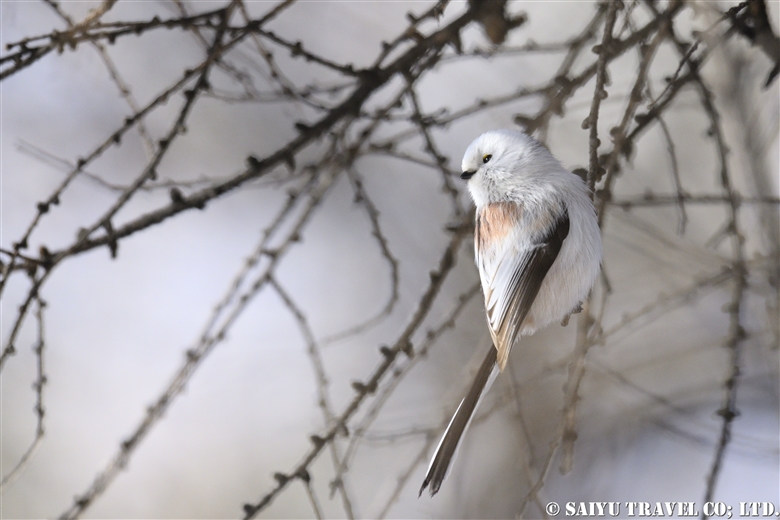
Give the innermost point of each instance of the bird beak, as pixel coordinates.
(468, 174)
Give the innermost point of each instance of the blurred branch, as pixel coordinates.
(363, 389)
(370, 80)
(599, 93)
(362, 198)
(736, 333)
(113, 72)
(753, 23)
(564, 87)
(746, 111)
(622, 143)
(312, 348)
(652, 199)
(40, 381)
(675, 175)
(399, 374)
(441, 161)
(232, 308)
(385, 111)
(27, 54)
(104, 222)
(663, 303)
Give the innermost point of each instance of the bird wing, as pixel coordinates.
(512, 271)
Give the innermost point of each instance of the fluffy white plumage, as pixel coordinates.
(523, 175)
(538, 251)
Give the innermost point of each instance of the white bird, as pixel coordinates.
(538, 251)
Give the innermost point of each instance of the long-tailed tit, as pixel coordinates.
(538, 250)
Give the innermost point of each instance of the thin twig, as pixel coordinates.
(313, 350)
(599, 93)
(40, 381)
(401, 345)
(362, 198)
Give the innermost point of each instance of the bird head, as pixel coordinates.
(498, 160)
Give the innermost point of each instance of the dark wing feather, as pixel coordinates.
(524, 286)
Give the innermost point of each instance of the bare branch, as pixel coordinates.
(401, 345)
(40, 381)
(599, 94)
(402, 100)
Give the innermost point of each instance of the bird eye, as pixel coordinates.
(486, 158)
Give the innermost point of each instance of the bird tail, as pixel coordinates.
(445, 451)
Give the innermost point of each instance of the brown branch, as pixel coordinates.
(44, 207)
(362, 198)
(370, 81)
(40, 381)
(401, 345)
(398, 375)
(313, 350)
(691, 49)
(599, 93)
(565, 87)
(441, 161)
(675, 175)
(194, 357)
(651, 199)
(105, 220)
(296, 49)
(113, 72)
(28, 54)
(411, 32)
(753, 23)
(736, 333)
(576, 45)
(622, 143)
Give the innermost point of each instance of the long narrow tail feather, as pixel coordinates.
(445, 451)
